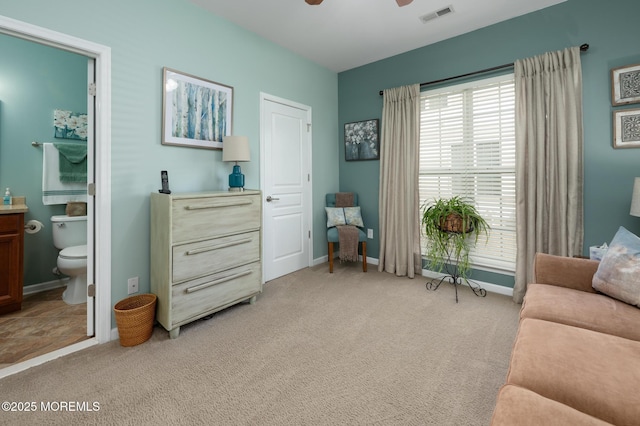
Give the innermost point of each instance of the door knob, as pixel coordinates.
(270, 199)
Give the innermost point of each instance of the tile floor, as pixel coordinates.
(44, 324)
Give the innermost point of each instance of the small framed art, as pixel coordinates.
(362, 140)
(69, 125)
(625, 85)
(626, 128)
(195, 112)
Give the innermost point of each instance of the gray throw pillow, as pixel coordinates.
(335, 216)
(353, 216)
(618, 274)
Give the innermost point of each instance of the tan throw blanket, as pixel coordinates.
(347, 234)
(344, 199)
(348, 240)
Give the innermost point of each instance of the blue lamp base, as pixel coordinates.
(236, 180)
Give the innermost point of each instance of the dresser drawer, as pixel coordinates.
(198, 218)
(205, 253)
(196, 298)
(205, 257)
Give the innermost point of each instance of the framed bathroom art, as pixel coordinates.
(70, 125)
(196, 112)
(626, 128)
(625, 85)
(362, 140)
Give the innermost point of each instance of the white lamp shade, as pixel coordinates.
(235, 148)
(635, 198)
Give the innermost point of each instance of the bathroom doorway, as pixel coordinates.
(96, 313)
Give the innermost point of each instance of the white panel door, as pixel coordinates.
(286, 185)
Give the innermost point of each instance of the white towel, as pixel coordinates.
(54, 191)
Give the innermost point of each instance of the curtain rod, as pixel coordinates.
(583, 48)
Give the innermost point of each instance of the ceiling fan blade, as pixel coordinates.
(313, 2)
(403, 2)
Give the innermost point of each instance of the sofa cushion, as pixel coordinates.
(565, 271)
(619, 272)
(592, 372)
(522, 407)
(585, 310)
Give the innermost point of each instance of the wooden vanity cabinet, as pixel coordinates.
(11, 261)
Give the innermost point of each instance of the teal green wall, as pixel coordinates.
(146, 35)
(34, 81)
(612, 31)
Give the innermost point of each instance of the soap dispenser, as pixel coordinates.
(7, 197)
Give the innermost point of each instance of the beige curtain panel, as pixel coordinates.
(549, 160)
(399, 196)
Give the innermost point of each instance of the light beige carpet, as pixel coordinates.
(348, 348)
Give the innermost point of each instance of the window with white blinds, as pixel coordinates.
(467, 148)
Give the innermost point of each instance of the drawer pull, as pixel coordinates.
(216, 282)
(215, 206)
(218, 246)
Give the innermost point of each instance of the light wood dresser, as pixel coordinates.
(205, 253)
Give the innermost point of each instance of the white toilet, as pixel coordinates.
(70, 236)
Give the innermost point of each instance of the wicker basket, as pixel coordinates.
(134, 317)
(453, 223)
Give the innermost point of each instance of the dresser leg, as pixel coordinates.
(173, 334)
(252, 301)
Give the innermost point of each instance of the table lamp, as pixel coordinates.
(635, 198)
(236, 148)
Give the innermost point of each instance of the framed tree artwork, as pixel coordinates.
(195, 112)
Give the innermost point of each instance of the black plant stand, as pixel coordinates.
(456, 279)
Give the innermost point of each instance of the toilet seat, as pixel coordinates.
(74, 252)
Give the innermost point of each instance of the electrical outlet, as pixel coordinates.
(133, 285)
(370, 233)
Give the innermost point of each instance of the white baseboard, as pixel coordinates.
(325, 259)
(371, 260)
(320, 260)
(493, 288)
(49, 285)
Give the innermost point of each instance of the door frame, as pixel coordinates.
(308, 193)
(102, 178)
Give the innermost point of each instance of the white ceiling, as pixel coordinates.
(344, 34)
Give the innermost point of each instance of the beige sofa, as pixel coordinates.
(576, 357)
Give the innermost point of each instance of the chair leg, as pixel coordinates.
(330, 257)
(364, 256)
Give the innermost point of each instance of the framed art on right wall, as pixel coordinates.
(626, 128)
(362, 140)
(625, 85)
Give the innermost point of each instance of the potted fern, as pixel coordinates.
(452, 226)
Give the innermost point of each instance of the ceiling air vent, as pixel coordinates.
(437, 14)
